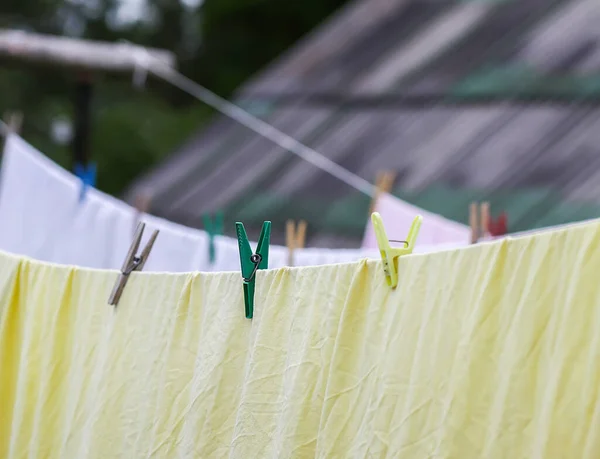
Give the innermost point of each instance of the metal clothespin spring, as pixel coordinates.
(255, 259)
(133, 266)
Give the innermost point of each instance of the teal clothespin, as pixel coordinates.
(213, 228)
(251, 262)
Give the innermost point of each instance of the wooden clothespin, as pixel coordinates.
(383, 184)
(479, 214)
(252, 261)
(294, 240)
(132, 262)
(484, 214)
(474, 222)
(482, 224)
(213, 228)
(390, 255)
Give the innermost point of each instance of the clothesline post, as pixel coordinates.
(82, 58)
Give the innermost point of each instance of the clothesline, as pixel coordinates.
(253, 123)
(260, 127)
(102, 224)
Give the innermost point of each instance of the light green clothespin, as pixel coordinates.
(213, 228)
(389, 254)
(251, 262)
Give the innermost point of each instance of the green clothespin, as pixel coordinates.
(213, 228)
(251, 262)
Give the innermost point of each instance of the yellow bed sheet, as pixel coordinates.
(486, 352)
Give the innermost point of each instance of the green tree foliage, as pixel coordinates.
(219, 43)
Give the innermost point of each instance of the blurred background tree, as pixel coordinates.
(219, 43)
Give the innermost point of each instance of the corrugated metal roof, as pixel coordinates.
(544, 154)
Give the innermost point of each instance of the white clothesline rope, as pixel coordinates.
(260, 127)
(251, 122)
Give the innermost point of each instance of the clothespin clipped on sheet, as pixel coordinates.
(474, 222)
(252, 261)
(213, 228)
(132, 262)
(294, 239)
(390, 255)
(478, 219)
(499, 226)
(482, 224)
(383, 184)
(87, 175)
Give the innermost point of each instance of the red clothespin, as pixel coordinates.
(499, 226)
(483, 225)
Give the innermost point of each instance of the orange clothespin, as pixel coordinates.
(474, 222)
(390, 255)
(294, 239)
(484, 213)
(384, 183)
(479, 215)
